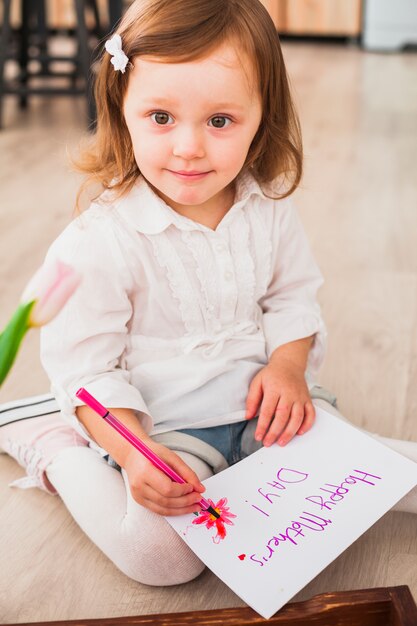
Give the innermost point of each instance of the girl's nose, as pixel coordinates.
(188, 144)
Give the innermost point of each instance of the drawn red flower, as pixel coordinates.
(209, 520)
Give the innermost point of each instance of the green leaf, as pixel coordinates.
(11, 337)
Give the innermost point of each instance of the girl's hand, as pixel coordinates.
(285, 404)
(151, 488)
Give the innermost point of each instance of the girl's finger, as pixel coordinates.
(254, 398)
(147, 493)
(159, 482)
(266, 414)
(309, 418)
(162, 510)
(282, 414)
(294, 423)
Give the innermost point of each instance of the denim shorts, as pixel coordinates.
(234, 441)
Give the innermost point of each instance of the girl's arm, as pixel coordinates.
(106, 437)
(149, 486)
(295, 353)
(290, 307)
(294, 333)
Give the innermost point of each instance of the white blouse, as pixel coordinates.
(174, 319)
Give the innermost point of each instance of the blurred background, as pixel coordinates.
(353, 71)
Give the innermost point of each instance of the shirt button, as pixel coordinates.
(228, 275)
(220, 247)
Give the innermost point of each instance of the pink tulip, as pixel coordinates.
(42, 299)
(50, 288)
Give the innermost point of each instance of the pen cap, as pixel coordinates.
(88, 399)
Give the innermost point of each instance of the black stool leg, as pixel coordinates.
(84, 56)
(115, 12)
(28, 8)
(97, 22)
(43, 35)
(4, 42)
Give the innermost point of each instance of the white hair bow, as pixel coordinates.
(114, 47)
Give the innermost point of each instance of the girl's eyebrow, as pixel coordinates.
(211, 105)
(162, 101)
(227, 105)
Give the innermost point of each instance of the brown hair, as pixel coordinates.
(182, 30)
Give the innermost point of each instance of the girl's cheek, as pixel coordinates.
(229, 147)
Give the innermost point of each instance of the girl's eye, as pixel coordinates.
(220, 121)
(161, 118)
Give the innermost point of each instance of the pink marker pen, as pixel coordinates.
(94, 404)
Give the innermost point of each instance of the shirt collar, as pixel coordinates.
(150, 215)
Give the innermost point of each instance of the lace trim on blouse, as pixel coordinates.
(206, 272)
(179, 283)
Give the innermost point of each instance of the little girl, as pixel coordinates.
(196, 322)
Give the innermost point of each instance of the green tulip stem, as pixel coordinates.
(11, 337)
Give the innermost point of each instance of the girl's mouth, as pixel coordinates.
(189, 175)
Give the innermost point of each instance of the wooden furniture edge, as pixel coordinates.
(403, 605)
(397, 603)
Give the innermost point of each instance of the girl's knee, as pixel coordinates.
(161, 570)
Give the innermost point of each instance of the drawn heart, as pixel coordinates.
(242, 556)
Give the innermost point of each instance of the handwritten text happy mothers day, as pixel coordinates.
(307, 521)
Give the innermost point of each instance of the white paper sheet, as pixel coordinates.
(297, 508)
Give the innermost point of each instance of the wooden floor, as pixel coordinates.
(358, 202)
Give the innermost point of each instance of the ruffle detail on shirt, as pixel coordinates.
(244, 265)
(206, 272)
(263, 247)
(179, 283)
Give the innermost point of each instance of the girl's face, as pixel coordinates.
(191, 126)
